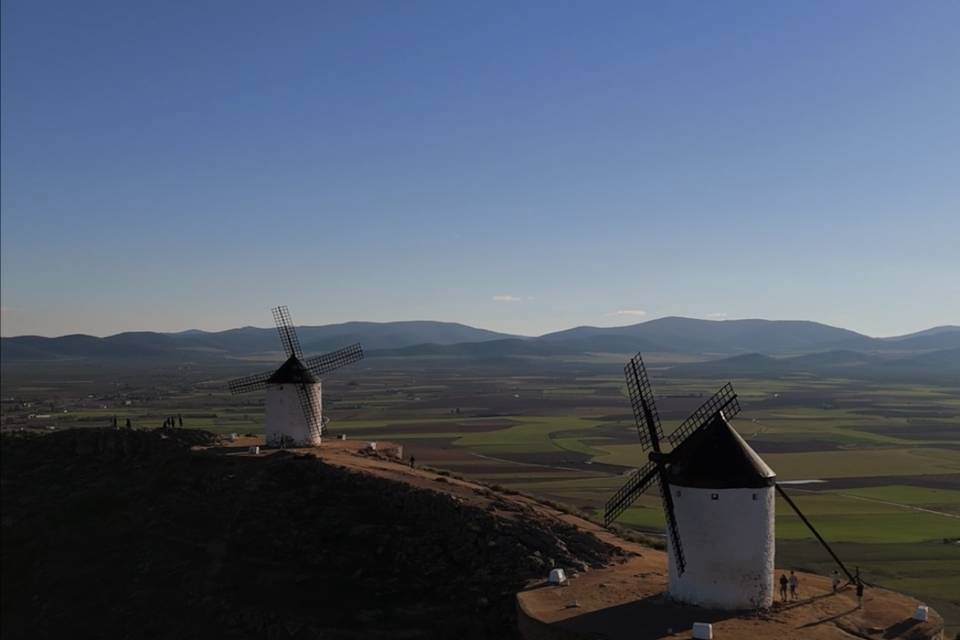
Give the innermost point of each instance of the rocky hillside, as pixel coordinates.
(130, 534)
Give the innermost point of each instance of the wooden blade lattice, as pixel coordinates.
(246, 384)
(642, 402)
(632, 489)
(288, 334)
(723, 400)
(321, 365)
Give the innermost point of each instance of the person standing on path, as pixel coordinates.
(794, 583)
(413, 462)
(783, 587)
(836, 580)
(859, 593)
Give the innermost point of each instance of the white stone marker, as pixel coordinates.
(702, 631)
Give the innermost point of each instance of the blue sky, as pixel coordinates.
(523, 167)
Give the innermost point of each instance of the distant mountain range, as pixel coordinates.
(242, 342)
(942, 365)
(732, 347)
(725, 337)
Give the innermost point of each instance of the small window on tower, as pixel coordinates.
(678, 493)
(714, 496)
(754, 496)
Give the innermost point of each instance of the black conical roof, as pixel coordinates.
(716, 457)
(292, 372)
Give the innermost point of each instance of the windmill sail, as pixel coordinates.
(311, 410)
(672, 529)
(288, 333)
(320, 365)
(724, 400)
(246, 384)
(642, 401)
(632, 489)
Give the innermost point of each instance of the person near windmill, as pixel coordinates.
(794, 584)
(783, 587)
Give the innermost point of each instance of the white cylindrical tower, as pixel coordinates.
(723, 496)
(293, 420)
(286, 423)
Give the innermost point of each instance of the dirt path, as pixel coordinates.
(537, 464)
(910, 507)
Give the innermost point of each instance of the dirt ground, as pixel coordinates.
(627, 601)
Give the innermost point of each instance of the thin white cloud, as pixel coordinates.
(636, 313)
(506, 298)
(719, 315)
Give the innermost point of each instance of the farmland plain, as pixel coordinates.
(885, 458)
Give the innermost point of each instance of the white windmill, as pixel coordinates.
(718, 492)
(294, 415)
